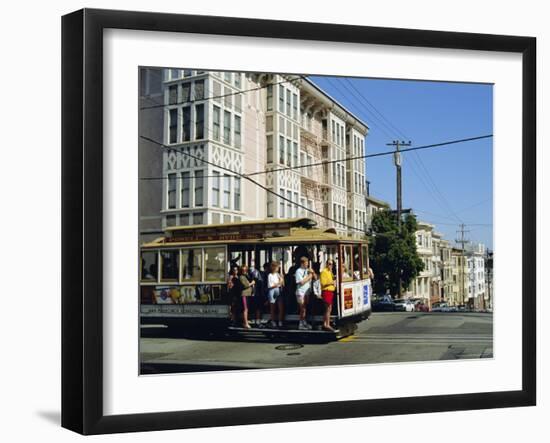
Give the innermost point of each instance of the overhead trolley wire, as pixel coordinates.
(287, 168)
(265, 188)
(427, 181)
(377, 154)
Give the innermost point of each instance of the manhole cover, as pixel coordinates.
(289, 347)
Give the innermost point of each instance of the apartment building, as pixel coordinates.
(436, 283)
(489, 279)
(217, 125)
(459, 270)
(446, 272)
(439, 280)
(476, 276)
(421, 286)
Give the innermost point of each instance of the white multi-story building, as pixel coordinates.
(204, 119)
(245, 123)
(475, 278)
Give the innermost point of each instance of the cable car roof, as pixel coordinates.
(293, 222)
(271, 231)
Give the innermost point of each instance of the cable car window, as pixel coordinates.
(169, 265)
(191, 260)
(356, 263)
(347, 269)
(214, 264)
(277, 255)
(149, 266)
(365, 262)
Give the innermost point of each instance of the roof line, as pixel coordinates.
(322, 91)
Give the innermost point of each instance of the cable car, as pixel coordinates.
(184, 274)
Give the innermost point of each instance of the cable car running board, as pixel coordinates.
(271, 330)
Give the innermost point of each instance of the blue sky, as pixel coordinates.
(445, 185)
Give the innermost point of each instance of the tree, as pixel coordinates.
(392, 253)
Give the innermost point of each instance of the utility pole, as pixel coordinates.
(368, 222)
(462, 241)
(397, 162)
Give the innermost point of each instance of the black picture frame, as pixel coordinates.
(82, 219)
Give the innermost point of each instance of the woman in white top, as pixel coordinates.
(274, 295)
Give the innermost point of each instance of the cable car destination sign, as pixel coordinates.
(237, 232)
(198, 236)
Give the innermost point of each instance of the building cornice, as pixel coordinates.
(328, 103)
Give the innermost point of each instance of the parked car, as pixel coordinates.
(403, 304)
(440, 307)
(420, 306)
(383, 303)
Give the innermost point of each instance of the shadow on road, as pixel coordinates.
(255, 336)
(174, 368)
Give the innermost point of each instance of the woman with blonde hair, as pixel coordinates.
(275, 283)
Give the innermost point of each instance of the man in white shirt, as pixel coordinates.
(303, 276)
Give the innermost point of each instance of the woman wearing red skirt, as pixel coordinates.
(327, 292)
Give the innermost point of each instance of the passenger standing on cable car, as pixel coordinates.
(275, 283)
(258, 295)
(328, 288)
(246, 293)
(304, 275)
(234, 292)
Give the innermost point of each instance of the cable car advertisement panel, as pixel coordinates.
(355, 300)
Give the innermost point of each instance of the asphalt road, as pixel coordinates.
(384, 338)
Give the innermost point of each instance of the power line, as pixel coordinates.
(210, 131)
(377, 154)
(335, 86)
(383, 120)
(459, 224)
(389, 123)
(217, 139)
(220, 96)
(431, 213)
(260, 186)
(415, 157)
(441, 197)
(428, 182)
(247, 176)
(475, 204)
(458, 212)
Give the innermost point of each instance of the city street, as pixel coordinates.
(384, 338)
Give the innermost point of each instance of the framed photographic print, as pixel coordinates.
(269, 221)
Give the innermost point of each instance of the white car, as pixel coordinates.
(441, 307)
(403, 305)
